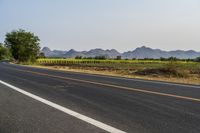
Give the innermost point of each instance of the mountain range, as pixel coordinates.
(138, 53)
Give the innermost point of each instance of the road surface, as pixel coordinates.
(34, 100)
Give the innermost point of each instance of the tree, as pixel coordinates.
(172, 58)
(23, 45)
(78, 57)
(118, 58)
(4, 52)
(100, 57)
(197, 59)
(41, 55)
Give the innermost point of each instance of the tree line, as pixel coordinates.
(120, 58)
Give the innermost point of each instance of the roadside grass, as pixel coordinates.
(177, 71)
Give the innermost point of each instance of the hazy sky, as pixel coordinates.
(120, 24)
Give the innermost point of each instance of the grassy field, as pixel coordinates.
(175, 71)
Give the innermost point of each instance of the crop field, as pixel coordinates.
(107, 64)
(134, 68)
(121, 64)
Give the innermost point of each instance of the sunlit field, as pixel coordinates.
(155, 68)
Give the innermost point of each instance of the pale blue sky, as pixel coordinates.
(120, 24)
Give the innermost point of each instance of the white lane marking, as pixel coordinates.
(66, 110)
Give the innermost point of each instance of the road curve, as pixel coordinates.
(128, 105)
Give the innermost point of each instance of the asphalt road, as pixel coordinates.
(129, 105)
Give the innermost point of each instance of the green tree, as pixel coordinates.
(78, 57)
(118, 58)
(197, 59)
(41, 55)
(23, 45)
(4, 52)
(100, 57)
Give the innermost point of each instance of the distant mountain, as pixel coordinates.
(100, 52)
(54, 53)
(146, 52)
(138, 53)
(72, 53)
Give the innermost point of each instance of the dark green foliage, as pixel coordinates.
(87, 57)
(23, 45)
(92, 58)
(78, 57)
(4, 52)
(163, 59)
(172, 59)
(100, 57)
(118, 58)
(41, 55)
(197, 59)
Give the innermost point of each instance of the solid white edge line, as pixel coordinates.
(66, 110)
